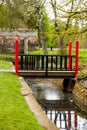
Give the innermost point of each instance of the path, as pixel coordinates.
(5, 70)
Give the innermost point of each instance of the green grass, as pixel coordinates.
(40, 52)
(82, 53)
(53, 52)
(5, 65)
(14, 112)
(7, 56)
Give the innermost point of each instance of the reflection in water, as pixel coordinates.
(50, 94)
(60, 108)
(67, 120)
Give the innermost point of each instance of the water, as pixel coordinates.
(67, 120)
(60, 108)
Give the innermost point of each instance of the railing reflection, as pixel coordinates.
(65, 120)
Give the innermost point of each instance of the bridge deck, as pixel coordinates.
(60, 74)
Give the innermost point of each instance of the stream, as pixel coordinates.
(60, 107)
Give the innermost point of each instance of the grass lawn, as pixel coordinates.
(14, 112)
(5, 65)
(82, 53)
(40, 52)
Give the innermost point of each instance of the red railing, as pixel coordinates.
(16, 56)
(76, 55)
(77, 58)
(69, 53)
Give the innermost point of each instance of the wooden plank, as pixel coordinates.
(49, 74)
(32, 73)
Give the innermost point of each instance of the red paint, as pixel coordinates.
(77, 53)
(16, 56)
(69, 120)
(69, 53)
(75, 121)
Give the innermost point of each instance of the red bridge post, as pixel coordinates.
(77, 53)
(16, 56)
(69, 53)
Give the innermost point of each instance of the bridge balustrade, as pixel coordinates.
(46, 62)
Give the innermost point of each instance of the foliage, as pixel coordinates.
(47, 27)
(75, 19)
(13, 15)
(54, 38)
(32, 21)
(4, 16)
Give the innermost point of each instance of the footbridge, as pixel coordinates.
(46, 66)
(54, 66)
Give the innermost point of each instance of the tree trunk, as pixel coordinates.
(41, 31)
(61, 44)
(25, 46)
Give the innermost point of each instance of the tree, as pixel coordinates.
(78, 19)
(28, 14)
(37, 6)
(4, 14)
(47, 28)
(72, 15)
(17, 16)
(57, 15)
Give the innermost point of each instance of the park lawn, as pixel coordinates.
(14, 112)
(82, 53)
(40, 52)
(5, 65)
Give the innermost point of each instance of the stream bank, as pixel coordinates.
(80, 88)
(80, 95)
(79, 91)
(57, 104)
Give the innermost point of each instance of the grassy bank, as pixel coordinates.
(5, 65)
(14, 112)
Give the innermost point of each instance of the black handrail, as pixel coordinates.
(45, 62)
